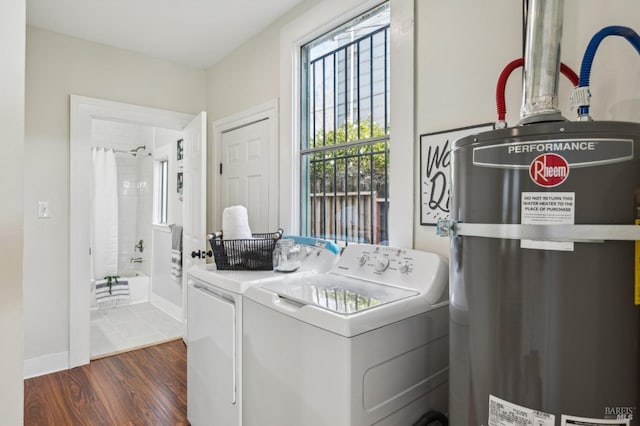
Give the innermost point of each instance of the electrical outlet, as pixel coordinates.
(43, 209)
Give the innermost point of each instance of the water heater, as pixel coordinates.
(545, 286)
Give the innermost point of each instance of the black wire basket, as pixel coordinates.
(254, 254)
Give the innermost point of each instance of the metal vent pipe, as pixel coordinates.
(542, 62)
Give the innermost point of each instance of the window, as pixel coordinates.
(163, 191)
(345, 131)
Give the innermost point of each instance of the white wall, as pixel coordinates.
(58, 66)
(144, 216)
(12, 81)
(615, 74)
(166, 291)
(462, 47)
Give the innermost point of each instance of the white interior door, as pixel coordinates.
(194, 231)
(245, 172)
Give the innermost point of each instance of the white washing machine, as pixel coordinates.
(214, 332)
(366, 343)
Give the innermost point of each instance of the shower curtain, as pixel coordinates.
(104, 235)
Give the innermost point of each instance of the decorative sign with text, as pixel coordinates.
(435, 173)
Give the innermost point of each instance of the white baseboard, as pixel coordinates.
(169, 307)
(45, 364)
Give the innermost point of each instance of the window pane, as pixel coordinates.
(164, 190)
(345, 131)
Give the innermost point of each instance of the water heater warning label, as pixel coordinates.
(547, 208)
(504, 413)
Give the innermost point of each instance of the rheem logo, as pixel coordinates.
(549, 170)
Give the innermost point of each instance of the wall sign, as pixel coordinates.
(180, 149)
(435, 173)
(179, 185)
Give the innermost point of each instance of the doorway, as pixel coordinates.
(127, 241)
(87, 115)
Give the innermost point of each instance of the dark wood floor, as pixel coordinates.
(143, 387)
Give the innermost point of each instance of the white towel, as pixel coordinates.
(176, 252)
(235, 226)
(235, 223)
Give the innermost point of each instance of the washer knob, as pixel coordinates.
(363, 259)
(382, 263)
(403, 267)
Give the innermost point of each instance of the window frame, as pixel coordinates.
(161, 193)
(305, 28)
(371, 223)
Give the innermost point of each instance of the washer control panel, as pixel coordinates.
(389, 265)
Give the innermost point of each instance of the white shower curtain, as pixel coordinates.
(105, 213)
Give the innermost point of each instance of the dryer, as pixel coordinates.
(366, 343)
(214, 332)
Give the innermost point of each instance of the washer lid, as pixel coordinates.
(343, 295)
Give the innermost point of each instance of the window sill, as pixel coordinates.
(161, 227)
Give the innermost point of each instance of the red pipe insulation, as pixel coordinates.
(504, 76)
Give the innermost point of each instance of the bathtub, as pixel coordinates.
(139, 288)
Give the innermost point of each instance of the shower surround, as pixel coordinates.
(135, 190)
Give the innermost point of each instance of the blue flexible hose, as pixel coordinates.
(587, 60)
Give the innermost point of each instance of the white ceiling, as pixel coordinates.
(191, 32)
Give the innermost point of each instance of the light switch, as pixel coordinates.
(43, 209)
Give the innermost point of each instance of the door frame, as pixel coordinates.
(267, 111)
(82, 111)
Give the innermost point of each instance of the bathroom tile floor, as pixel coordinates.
(128, 327)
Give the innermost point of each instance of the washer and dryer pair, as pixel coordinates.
(363, 343)
(215, 332)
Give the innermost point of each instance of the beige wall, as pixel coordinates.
(458, 60)
(12, 41)
(58, 66)
(250, 75)
(247, 77)
(462, 47)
